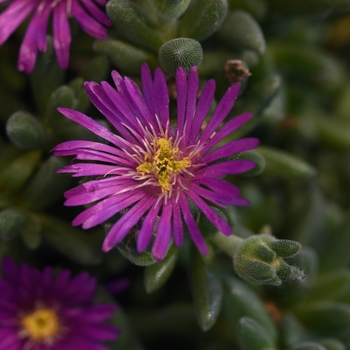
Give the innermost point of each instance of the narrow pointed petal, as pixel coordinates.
(231, 148)
(222, 110)
(147, 228)
(61, 34)
(195, 234)
(162, 241)
(123, 226)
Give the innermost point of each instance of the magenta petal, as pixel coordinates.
(93, 126)
(221, 112)
(106, 208)
(162, 241)
(177, 224)
(204, 103)
(99, 332)
(220, 223)
(88, 23)
(228, 128)
(13, 16)
(147, 88)
(147, 228)
(161, 91)
(90, 197)
(117, 233)
(193, 83)
(220, 186)
(181, 90)
(96, 12)
(225, 168)
(231, 148)
(107, 213)
(61, 34)
(195, 234)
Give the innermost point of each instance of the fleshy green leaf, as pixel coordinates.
(31, 232)
(252, 336)
(25, 131)
(170, 9)
(240, 301)
(241, 30)
(11, 221)
(332, 344)
(203, 18)
(46, 186)
(206, 289)
(285, 165)
(326, 318)
(14, 176)
(157, 274)
(124, 56)
(70, 241)
(46, 77)
(130, 23)
(307, 346)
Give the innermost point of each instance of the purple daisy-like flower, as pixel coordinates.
(86, 12)
(40, 311)
(153, 168)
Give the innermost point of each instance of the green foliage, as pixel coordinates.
(128, 19)
(157, 274)
(207, 290)
(253, 291)
(241, 30)
(25, 131)
(252, 336)
(203, 18)
(170, 9)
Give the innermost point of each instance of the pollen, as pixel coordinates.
(41, 326)
(165, 163)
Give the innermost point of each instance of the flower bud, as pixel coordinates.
(259, 259)
(180, 52)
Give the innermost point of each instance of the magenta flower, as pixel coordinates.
(151, 167)
(40, 311)
(89, 16)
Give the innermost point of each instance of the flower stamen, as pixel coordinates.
(165, 164)
(41, 326)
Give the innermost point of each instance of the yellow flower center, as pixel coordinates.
(42, 325)
(166, 163)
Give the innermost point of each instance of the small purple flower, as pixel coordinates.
(43, 311)
(86, 12)
(151, 167)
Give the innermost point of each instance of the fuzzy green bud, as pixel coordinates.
(180, 52)
(259, 259)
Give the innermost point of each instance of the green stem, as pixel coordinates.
(227, 244)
